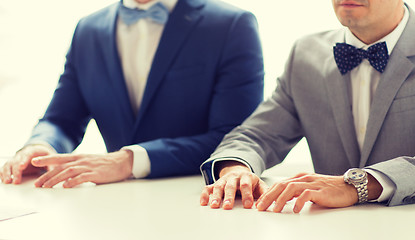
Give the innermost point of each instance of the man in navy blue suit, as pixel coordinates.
(164, 81)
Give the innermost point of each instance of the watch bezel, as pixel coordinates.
(355, 176)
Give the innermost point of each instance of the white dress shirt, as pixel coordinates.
(137, 43)
(364, 81)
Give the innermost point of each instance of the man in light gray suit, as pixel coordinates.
(351, 94)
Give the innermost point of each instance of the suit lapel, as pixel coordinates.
(397, 71)
(182, 20)
(338, 92)
(107, 39)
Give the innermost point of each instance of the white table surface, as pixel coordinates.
(169, 209)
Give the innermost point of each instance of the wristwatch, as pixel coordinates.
(358, 178)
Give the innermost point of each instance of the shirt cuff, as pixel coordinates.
(141, 161)
(226, 159)
(387, 185)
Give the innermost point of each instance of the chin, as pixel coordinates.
(349, 19)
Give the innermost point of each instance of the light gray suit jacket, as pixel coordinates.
(312, 100)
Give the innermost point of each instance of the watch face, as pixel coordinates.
(356, 174)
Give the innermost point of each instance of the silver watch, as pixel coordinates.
(358, 178)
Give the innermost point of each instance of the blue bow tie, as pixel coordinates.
(158, 13)
(348, 57)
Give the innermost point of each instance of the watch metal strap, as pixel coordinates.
(362, 192)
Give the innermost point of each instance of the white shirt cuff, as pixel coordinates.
(387, 185)
(226, 159)
(141, 161)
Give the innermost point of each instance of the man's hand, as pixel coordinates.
(324, 190)
(74, 169)
(20, 164)
(234, 177)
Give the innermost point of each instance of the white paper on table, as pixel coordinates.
(7, 213)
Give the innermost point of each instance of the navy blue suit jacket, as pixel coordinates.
(206, 78)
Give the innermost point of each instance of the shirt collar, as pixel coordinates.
(170, 4)
(391, 39)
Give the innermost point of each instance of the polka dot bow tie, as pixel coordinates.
(348, 57)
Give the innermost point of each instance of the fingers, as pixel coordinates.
(324, 190)
(21, 162)
(17, 170)
(6, 174)
(285, 191)
(292, 190)
(229, 185)
(81, 178)
(60, 174)
(225, 189)
(204, 197)
(12, 170)
(72, 169)
(261, 189)
(44, 161)
(246, 191)
(230, 192)
(307, 195)
(217, 194)
(268, 197)
(301, 175)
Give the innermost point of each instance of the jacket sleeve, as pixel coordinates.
(401, 172)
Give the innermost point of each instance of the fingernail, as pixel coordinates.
(296, 209)
(214, 203)
(259, 206)
(248, 203)
(37, 184)
(226, 203)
